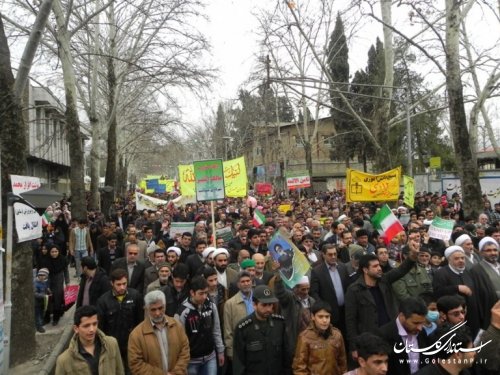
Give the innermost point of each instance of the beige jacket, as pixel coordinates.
(234, 311)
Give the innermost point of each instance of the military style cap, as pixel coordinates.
(264, 294)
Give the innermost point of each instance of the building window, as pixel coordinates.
(38, 124)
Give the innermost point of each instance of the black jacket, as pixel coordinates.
(322, 289)
(99, 286)
(137, 279)
(398, 364)
(360, 306)
(194, 262)
(118, 319)
(104, 260)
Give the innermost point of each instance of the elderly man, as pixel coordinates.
(463, 240)
(455, 279)
(159, 344)
(237, 308)
(295, 307)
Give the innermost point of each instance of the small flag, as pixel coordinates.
(45, 219)
(385, 221)
(258, 218)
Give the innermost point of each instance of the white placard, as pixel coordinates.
(145, 202)
(181, 227)
(28, 222)
(21, 184)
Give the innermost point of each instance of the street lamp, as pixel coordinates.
(226, 139)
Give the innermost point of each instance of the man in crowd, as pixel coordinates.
(184, 245)
(488, 269)
(195, 261)
(260, 272)
(134, 268)
(176, 293)
(120, 311)
(159, 344)
(320, 347)
(295, 307)
(201, 322)
(372, 355)
(107, 255)
(90, 351)
(164, 273)
(456, 279)
(225, 275)
(369, 303)
(80, 244)
(329, 281)
(93, 283)
(151, 273)
(407, 331)
(236, 308)
(260, 342)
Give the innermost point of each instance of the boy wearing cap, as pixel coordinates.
(260, 342)
(41, 292)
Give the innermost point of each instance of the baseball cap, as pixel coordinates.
(264, 294)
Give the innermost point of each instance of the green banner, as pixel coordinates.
(209, 180)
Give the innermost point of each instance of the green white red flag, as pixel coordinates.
(387, 223)
(258, 218)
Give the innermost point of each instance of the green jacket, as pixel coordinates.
(413, 284)
(110, 362)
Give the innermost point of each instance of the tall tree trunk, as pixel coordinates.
(13, 149)
(110, 180)
(95, 162)
(75, 139)
(467, 169)
(383, 108)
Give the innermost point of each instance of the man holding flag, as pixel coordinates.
(369, 299)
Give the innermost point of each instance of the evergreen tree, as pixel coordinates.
(219, 133)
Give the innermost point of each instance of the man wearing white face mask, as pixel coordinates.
(456, 279)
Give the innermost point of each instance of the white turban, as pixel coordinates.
(341, 218)
(207, 252)
(453, 249)
(487, 240)
(460, 240)
(219, 251)
(303, 280)
(175, 249)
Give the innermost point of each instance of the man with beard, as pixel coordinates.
(176, 293)
(164, 273)
(463, 240)
(237, 308)
(195, 261)
(260, 273)
(133, 266)
(225, 275)
(159, 344)
(455, 279)
(489, 268)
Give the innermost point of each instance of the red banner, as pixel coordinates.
(264, 188)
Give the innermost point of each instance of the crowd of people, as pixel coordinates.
(195, 303)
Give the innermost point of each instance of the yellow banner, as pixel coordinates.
(169, 185)
(284, 208)
(186, 180)
(235, 178)
(365, 187)
(409, 190)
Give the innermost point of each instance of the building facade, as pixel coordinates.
(277, 150)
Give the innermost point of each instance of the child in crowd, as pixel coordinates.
(42, 292)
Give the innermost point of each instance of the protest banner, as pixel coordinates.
(186, 180)
(409, 191)
(298, 182)
(263, 188)
(21, 184)
(441, 229)
(365, 187)
(145, 202)
(209, 180)
(284, 208)
(178, 228)
(293, 264)
(28, 222)
(235, 178)
(225, 233)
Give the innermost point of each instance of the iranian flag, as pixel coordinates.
(45, 219)
(258, 218)
(387, 223)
